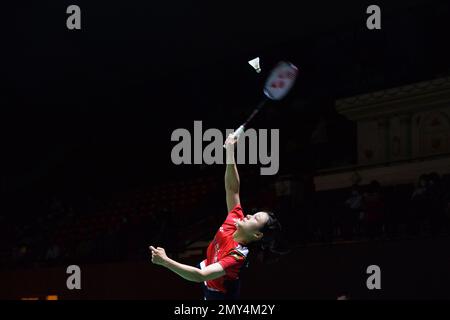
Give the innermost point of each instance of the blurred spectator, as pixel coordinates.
(419, 205)
(436, 195)
(353, 208)
(373, 204)
(53, 252)
(398, 210)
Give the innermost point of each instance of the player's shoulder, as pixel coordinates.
(239, 252)
(242, 250)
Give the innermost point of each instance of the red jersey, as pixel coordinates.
(224, 250)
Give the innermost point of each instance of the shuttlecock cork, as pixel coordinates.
(255, 64)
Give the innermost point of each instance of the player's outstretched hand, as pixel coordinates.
(158, 255)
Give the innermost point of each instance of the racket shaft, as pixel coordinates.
(240, 130)
(255, 112)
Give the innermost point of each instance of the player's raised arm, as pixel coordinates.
(213, 271)
(232, 183)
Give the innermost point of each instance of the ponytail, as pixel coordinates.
(265, 250)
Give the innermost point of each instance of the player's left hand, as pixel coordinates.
(158, 255)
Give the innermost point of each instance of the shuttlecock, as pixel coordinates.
(255, 64)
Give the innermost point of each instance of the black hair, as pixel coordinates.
(270, 230)
(374, 186)
(265, 249)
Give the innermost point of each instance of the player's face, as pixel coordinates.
(252, 223)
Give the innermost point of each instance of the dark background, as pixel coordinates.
(97, 106)
(89, 113)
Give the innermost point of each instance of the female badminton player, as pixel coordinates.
(228, 252)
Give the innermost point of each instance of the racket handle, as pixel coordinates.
(237, 133)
